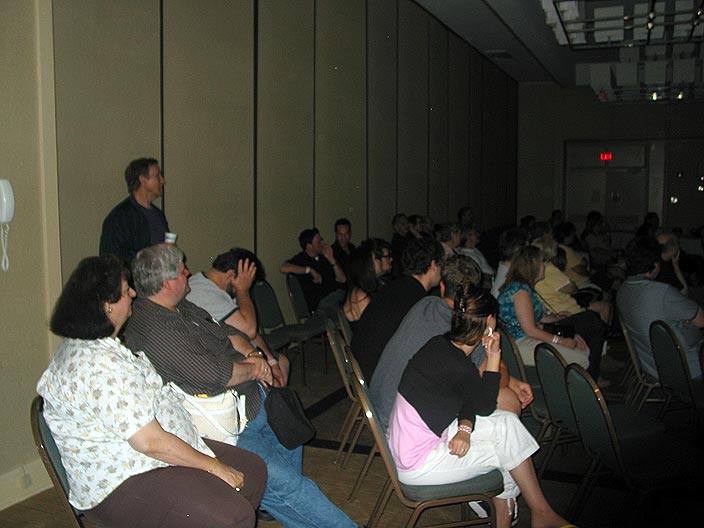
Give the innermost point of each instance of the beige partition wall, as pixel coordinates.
(458, 124)
(340, 116)
(438, 196)
(208, 124)
(412, 118)
(284, 132)
(107, 110)
(382, 49)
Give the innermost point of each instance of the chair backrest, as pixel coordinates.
(49, 454)
(596, 429)
(511, 355)
(344, 325)
(269, 316)
(514, 363)
(635, 360)
(337, 347)
(671, 361)
(550, 366)
(361, 388)
(298, 300)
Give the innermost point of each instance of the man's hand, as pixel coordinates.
(262, 372)
(328, 253)
(459, 445)
(246, 271)
(279, 380)
(317, 278)
(523, 390)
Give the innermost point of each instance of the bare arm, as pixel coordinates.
(330, 257)
(526, 318)
(154, 442)
(244, 319)
(698, 320)
(287, 267)
(570, 288)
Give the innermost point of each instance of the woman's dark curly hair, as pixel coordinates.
(80, 310)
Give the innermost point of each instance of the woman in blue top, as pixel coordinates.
(521, 311)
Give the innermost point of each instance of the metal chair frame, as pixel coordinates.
(301, 311)
(49, 454)
(394, 486)
(675, 376)
(640, 385)
(514, 363)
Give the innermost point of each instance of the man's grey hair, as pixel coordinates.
(153, 265)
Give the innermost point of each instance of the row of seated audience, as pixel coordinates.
(434, 362)
(122, 401)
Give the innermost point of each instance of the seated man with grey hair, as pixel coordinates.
(189, 348)
(430, 317)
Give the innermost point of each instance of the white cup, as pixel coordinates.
(170, 238)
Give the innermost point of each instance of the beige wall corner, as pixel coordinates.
(27, 289)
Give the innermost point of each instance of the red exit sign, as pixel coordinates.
(606, 156)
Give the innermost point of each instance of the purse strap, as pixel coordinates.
(240, 406)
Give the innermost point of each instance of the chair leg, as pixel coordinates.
(352, 414)
(543, 429)
(348, 431)
(380, 504)
(353, 443)
(551, 451)
(583, 491)
(363, 472)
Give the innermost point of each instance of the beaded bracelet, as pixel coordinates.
(466, 428)
(493, 353)
(556, 339)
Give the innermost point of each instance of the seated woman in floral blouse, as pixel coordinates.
(131, 452)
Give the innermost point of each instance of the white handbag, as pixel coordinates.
(222, 417)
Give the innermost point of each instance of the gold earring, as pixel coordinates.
(109, 309)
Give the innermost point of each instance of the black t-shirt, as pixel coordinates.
(311, 291)
(381, 319)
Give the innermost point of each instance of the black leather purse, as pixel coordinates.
(559, 329)
(287, 418)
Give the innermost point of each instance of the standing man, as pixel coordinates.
(342, 247)
(135, 223)
(319, 274)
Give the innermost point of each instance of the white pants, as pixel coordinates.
(526, 347)
(499, 441)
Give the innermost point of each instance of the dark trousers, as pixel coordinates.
(590, 326)
(180, 497)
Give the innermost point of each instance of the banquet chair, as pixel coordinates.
(344, 326)
(421, 498)
(675, 378)
(645, 457)
(639, 385)
(303, 315)
(49, 453)
(514, 363)
(272, 326)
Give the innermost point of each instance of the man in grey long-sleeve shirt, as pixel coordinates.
(429, 317)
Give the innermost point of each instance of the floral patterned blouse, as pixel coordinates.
(97, 394)
(507, 309)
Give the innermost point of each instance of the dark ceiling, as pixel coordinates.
(515, 36)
